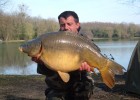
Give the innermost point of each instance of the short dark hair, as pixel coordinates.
(66, 14)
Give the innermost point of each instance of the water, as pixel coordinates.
(120, 51)
(13, 62)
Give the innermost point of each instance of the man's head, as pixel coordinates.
(69, 21)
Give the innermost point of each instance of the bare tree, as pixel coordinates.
(3, 3)
(133, 3)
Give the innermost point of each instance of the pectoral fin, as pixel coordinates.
(64, 76)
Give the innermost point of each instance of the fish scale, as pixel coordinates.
(65, 51)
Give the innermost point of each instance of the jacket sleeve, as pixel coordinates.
(42, 69)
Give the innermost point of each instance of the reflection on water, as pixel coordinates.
(18, 70)
(16, 63)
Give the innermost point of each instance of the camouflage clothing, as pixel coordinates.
(79, 86)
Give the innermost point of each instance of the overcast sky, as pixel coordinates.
(114, 11)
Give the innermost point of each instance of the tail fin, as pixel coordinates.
(109, 71)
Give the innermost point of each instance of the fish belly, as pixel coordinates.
(64, 61)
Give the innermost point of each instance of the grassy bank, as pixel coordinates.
(16, 79)
(18, 87)
(32, 87)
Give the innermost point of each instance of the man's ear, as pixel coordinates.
(78, 25)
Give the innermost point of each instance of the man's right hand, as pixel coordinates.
(85, 66)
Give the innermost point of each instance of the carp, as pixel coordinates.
(65, 51)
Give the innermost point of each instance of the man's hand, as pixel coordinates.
(85, 66)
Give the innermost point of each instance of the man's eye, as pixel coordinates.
(69, 24)
(62, 25)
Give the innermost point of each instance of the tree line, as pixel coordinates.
(21, 26)
(112, 30)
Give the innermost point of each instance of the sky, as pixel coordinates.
(112, 11)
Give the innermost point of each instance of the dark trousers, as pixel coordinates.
(52, 94)
(81, 90)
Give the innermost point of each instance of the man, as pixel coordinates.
(80, 86)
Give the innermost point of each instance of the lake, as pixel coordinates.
(13, 62)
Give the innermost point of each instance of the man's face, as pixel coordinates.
(68, 24)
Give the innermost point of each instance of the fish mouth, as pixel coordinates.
(20, 49)
(36, 54)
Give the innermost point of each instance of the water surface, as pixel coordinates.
(13, 62)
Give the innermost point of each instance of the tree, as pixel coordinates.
(133, 3)
(3, 3)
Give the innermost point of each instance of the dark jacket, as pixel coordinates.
(54, 81)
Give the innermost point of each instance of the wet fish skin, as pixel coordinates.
(65, 51)
(32, 47)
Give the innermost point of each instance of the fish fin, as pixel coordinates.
(108, 68)
(64, 76)
(108, 77)
(108, 73)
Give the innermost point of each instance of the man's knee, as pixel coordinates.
(54, 98)
(52, 94)
(83, 89)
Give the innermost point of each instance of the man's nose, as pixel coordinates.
(66, 27)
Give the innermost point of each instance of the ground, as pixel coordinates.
(32, 87)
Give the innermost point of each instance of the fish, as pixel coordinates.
(65, 51)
